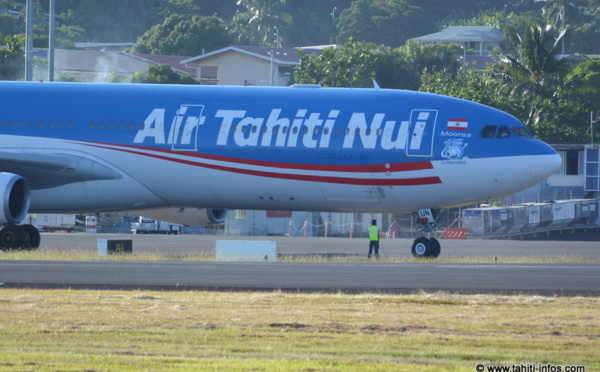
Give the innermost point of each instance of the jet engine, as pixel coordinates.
(186, 216)
(15, 198)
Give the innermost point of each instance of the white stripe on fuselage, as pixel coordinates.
(187, 185)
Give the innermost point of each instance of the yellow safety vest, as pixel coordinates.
(373, 233)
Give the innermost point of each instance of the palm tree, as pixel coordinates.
(265, 15)
(533, 69)
(560, 11)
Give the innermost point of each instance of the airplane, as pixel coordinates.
(189, 154)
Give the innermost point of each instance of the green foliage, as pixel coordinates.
(587, 75)
(167, 8)
(11, 60)
(9, 25)
(263, 18)
(350, 66)
(532, 84)
(389, 22)
(161, 74)
(356, 64)
(243, 33)
(468, 84)
(419, 57)
(184, 36)
(531, 67)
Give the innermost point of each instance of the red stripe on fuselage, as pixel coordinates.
(394, 167)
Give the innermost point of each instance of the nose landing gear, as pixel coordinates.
(426, 246)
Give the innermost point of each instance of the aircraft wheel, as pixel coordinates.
(437, 247)
(31, 239)
(11, 237)
(423, 248)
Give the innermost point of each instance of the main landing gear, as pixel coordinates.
(19, 237)
(426, 246)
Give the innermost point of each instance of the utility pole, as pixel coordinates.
(29, 41)
(51, 42)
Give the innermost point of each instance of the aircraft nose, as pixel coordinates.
(543, 166)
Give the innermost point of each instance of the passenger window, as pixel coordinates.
(503, 132)
(488, 132)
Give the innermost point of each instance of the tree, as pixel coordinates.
(535, 69)
(161, 74)
(356, 64)
(388, 22)
(433, 57)
(264, 16)
(471, 85)
(350, 66)
(184, 36)
(12, 65)
(9, 25)
(587, 76)
(167, 8)
(559, 11)
(243, 33)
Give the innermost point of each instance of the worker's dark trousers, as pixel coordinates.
(374, 245)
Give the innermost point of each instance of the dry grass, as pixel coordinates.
(77, 254)
(173, 331)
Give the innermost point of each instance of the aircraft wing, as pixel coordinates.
(52, 170)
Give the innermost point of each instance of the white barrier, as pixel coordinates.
(246, 250)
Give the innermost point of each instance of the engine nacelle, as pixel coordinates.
(15, 198)
(186, 216)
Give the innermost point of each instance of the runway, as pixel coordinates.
(356, 277)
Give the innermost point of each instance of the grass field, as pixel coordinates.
(68, 330)
(75, 254)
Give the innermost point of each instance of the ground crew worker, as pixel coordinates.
(373, 239)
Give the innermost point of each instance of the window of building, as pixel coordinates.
(209, 72)
(592, 170)
(572, 163)
(285, 70)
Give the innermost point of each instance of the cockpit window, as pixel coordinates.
(488, 131)
(503, 132)
(521, 132)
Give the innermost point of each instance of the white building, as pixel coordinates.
(246, 65)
